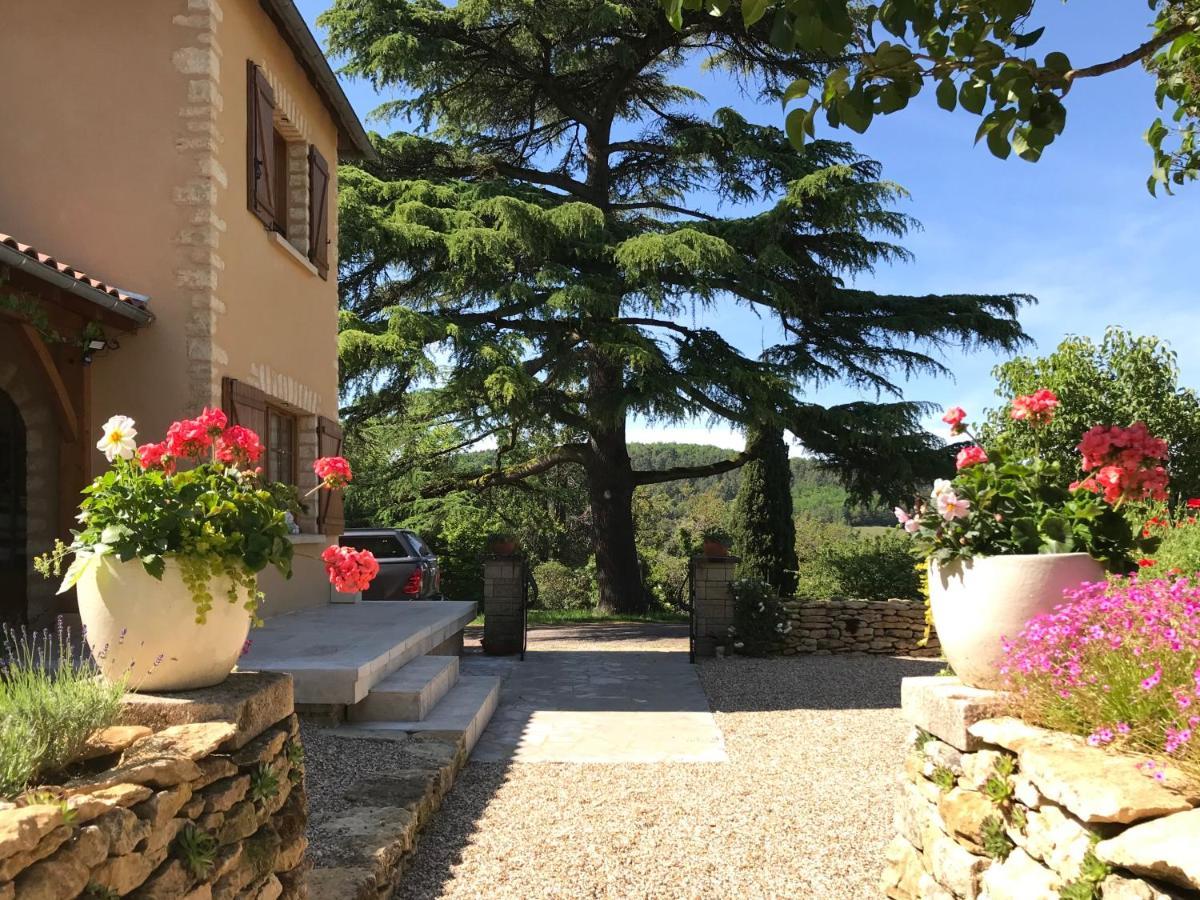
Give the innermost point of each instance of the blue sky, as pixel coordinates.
(1078, 230)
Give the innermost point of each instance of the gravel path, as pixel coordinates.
(802, 809)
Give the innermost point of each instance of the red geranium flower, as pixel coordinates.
(350, 570)
(188, 439)
(239, 446)
(333, 471)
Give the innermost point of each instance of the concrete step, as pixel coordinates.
(467, 708)
(409, 693)
(337, 653)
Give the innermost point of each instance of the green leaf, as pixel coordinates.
(1057, 62)
(753, 10)
(1021, 41)
(973, 96)
(674, 10)
(794, 125)
(79, 565)
(947, 95)
(798, 88)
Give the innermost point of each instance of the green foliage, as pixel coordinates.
(537, 281)
(759, 619)
(100, 892)
(197, 849)
(944, 778)
(1092, 871)
(1122, 380)
(561, 587)
(980, 56)
(998, 789)
(1179, 550)
(996, 842)
(1017, 817)
(51, 699)
(923, 738)
(215, 521)
(1020, 507)
(264, 783)
(764, 528)
(835, 561)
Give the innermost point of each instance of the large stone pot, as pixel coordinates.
(145, 630)
(977, 602)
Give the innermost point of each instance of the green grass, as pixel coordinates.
(51, 699)
(586, 616)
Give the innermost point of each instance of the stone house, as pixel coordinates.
(185, 151)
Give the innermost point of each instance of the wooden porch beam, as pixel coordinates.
(67, 416)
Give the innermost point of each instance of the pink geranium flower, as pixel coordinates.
(972, 455)
(954, 417)
(333, 471)
(188, 439)
(1036, 408)
(239, 446)
(350, 570)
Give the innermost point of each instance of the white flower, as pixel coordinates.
(912, 526)
(941, 486)
(118, 439)
(950, 507)
(738, 644)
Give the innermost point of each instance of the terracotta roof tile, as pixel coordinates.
(71, 272)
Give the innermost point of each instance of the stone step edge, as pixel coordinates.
(370, 884)
(440, 675)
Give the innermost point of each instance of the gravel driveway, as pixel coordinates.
(801, 809)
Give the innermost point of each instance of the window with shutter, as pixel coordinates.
(318, 211)
(331, 518)
(261, 171)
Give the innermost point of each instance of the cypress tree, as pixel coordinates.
(532, 254)
(763, 525)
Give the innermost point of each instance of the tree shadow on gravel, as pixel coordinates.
(809, 682)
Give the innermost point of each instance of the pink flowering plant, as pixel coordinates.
(1119, 664)
(999, 505)
(198, 497)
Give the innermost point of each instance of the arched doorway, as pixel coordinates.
(13, 570)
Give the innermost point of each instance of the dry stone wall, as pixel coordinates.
(884, 627)
(1031, 814)
(122, 828)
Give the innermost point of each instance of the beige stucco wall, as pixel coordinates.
(123, 151)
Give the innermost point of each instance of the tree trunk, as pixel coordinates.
(610, 493)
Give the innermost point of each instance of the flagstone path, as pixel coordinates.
(614, 769)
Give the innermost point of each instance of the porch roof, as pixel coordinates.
(46, 267)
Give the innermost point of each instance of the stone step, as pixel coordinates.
(467, 708)
(409, 693)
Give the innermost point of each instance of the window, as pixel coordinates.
(275, 155)
(281, 446)
(381, 546)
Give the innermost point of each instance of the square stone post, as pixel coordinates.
(712, 597)
(503, 605)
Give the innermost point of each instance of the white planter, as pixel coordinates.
(146, 629)
(977, 602)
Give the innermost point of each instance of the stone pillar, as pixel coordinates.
(503, 606)
(713, 600)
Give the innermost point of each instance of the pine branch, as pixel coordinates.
(681, 473)
(514, 475)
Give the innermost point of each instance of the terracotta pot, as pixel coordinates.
(715, 548)
(145, 629)
(977, 602)
(502, 547)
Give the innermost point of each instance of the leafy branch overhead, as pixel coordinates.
(982, 55)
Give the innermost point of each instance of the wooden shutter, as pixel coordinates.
(245, 405)
(318, 211)
(260, 145)
(331, 519)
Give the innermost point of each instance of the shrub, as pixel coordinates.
(197, 849)
(879, 567)
(759, 619)
(561, 587)
(51, 699)
(1118, 663)
(1179, 552)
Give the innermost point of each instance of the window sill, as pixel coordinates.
(297, 257)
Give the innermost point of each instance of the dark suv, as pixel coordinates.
(408, 570)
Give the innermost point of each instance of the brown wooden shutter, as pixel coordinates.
(331, 518)
(318, 211)
(245, 405)
(260, 145)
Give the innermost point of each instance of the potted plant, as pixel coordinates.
(502, 544)
(1005, 538)
(715, 542)
(172, 538)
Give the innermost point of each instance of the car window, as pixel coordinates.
(419, 544)
(382, 546)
